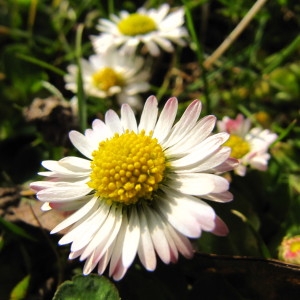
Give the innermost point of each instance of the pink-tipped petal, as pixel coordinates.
(149, 115)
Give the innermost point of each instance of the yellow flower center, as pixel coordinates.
(239, 147)
(136, 24)
(127, 167)
(295, 246)
(106, 78)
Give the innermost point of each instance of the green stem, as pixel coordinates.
(40, 63)
(277, 59)
(199, 53)
(80, 90)
(111, 7)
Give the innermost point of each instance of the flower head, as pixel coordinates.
(141, 188)
(289, 250)
(152, 28)
(111, 74)
(249, 146)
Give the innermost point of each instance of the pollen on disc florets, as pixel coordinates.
(136, 24)
(127, 167)
(239, 147)
(106, 78)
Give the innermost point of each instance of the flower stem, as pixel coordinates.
(80, 91)
(199, 53)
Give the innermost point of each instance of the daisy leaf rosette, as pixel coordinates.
(111, 74)
(142, 188)
(155, 29)
(249, 145)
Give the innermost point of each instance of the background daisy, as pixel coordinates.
(141, 188)
(250, 146)
(154, 28)
(108, 74)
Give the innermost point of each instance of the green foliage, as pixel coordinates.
(87, 287)
(20, 290)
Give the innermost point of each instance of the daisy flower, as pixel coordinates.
(289, 250)
(111, 74)
(249, 146)
(154, 28)
(141, 188)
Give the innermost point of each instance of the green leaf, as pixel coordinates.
(86, 288)
(19, 292)
(17, 230)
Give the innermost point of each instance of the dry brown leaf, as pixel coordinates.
(30, 212)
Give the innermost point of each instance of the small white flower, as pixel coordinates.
(250, 146)
(141, 188)
(111, 74)
(152, 28)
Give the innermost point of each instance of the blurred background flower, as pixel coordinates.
(111, 74)
(289, 250)
(151, 28)
(249, 146)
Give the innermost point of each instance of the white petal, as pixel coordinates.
(212, 162)
(63, 193)
(72, 177)
(182, 243)
(76, 254)
(127, 118)
(103, 262)
(185, 124)
(79, 232)
(40, 185)
(108, 238)
(219, 197)
(149, 115)
(70, 205)
(105, 234)
(152, 47)
(76, 164)
(164, 43)
(186, 213)
(198, 183)
(81, 143)
(187, 226)
(166, 119)
(76, 215)
(180, 218)
(195, 136)
(156, 229)
(99, 133)
(89, 265)
(113, 122)
(131, 239)
(174, 19)
(146, 250)
(201, 151)
(100, 129)
(67, 166)
(83, 232)
(116, 257)
(221, 228)
(119, 271)
(46, 207)
(228, 165)
(172, 245)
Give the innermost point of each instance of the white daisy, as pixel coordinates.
(152, 28)
(111, 74)
(141, 188)
(249, 146)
